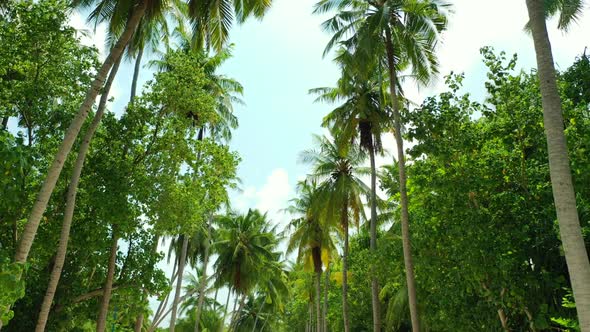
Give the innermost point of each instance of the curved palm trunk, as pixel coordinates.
(101, 322)
(54, 171)
(136, 70)
(559, 167)
(71, 203)
(203, 285)
(344, 221)
(373, 244)
(405, 217)
(325, 309)
(181, 264)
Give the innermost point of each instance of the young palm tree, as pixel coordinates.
(337, 170)
(410, 30)
(362, 117)
(245, 250)
(272, 290)
(311, 237)
(559, 167)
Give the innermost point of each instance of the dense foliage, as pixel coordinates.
(476, 185)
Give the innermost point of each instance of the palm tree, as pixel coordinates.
(337, 169)
(124, 16)
(363, 114)
(271, 291)
(410, 30)
(311, 238)
(70, 204)
(145, 33)
(559, 167)
(245, 250)
(128, 15)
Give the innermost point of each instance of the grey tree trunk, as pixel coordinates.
(136, 70)
(344, 222)
(559, 167)
(101, 322)
(71, 203)
(373, 243)
(54, 171)
(203, 285)
(405, 217)
(181, 264)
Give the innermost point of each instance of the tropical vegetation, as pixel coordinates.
(124, 217)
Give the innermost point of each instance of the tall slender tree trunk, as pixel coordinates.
(317, 264)
(373, 243)
(503, 320)
(344, 222)
(318, 296)
(136, 70)
(181, 264)
(101, 322)
(5, 123)
(264, 325)
(326, 289)
(54, 171)
(164, 302)
(203, 285)
(258, 316)
(225, 311)
(310, 317)
(236, 317)
(405, 217)
(71, 203)
(138, 323)
(559, 167)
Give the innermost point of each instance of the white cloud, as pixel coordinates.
(271, 197)
(89, 35)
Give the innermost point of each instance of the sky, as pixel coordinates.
(279, 59)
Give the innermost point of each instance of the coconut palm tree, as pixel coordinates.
(150, 33)
(409, 30)
(245, 247)
(363, 117)
(337, 170)
(559, 167)
(271, 291)
(124, 16)
(311, 237)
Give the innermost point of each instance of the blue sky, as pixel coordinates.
(280, 58)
